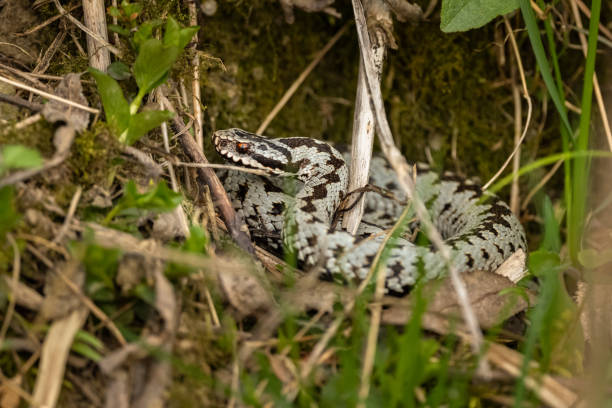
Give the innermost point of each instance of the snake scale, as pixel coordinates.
(481, 234)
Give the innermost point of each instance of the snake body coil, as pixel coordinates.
(482, 235)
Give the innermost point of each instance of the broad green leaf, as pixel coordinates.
(145, 32)
(171, 32)
(115, 106)
(142, 122)
(463, 15)
(177, 36)
(186, 34)
(119, 71)
(18, 157)
(153, 63)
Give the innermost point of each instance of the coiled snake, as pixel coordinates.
(481, 234)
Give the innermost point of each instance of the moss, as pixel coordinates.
(92, 155)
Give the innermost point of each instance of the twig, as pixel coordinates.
(399, 164)
(296, 84)
(47, 22)
(529, 106)
(235, 224)
(222, 166)
(196, 97)
(603, 113)
(587, 12)
(104, 43)
(516, 162)
(71, 210)
(15, 100)
(48, 95)
(541, 184)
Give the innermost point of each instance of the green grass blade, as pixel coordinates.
(545, 161)
(540, 54)
(582, 164)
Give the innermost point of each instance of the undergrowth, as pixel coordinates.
(449, 89)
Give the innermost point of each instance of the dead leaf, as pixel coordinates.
(244, 291)
(9, 398)
(56, 111)
(54, 355)
(59, 299)
(483, 289)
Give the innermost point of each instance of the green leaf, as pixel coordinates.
(119, 71)
(153, 63)
(145, 32)
(176, 36)
(119, 30)
(8, 214)
(159, 199)
(90, 339)
(86, 351)
(142, 122)
(115, 106)
(18, 157)
(463, 15)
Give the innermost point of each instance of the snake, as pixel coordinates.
(291, 204)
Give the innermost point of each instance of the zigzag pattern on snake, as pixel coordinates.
(481, 235)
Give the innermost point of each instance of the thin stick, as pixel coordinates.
(90, 33)
(603, 113)
(525, 95)
(296, 84)
(516, 162)
(399, 164)
(541, 184)
(48, 95)
(587, 12)
(48, 21)
(195, 83)
(71, 210)
(222, 166)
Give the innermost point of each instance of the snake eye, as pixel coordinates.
(242, 147)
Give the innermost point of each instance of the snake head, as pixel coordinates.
(252, 151)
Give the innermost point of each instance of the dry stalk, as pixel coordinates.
(48, 95)
(196, 95)
(93, 35)
(94, 15)
(363, 127)
(399, 164)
